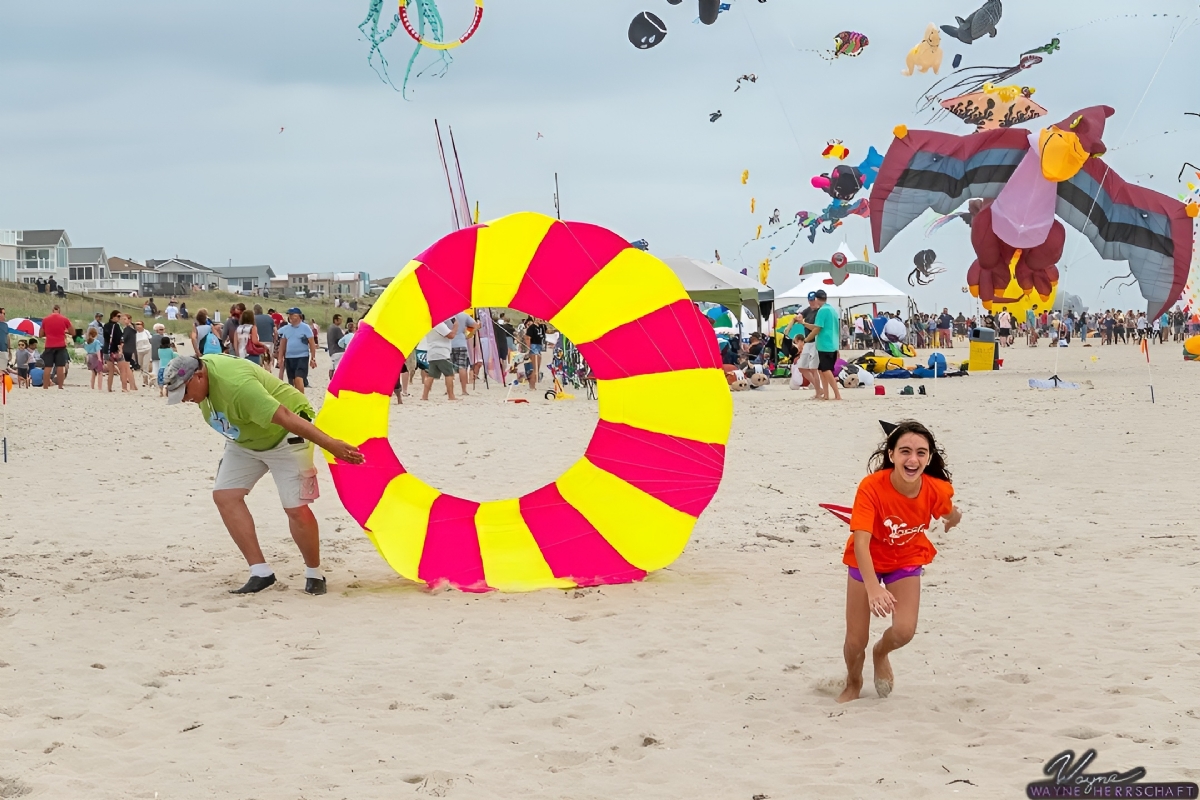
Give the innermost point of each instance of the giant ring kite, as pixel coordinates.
(432, 45)
(628, 506)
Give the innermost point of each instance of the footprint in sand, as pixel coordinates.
(13, 787)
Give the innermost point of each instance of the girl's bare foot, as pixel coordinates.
(884, 677)
(851, 691)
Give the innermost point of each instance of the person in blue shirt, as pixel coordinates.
(828, 339)
(297, 349)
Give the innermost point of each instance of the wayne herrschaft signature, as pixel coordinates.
(1070, 780)
(1073, 775)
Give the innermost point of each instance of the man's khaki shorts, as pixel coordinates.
(808, 356)
(291, 465)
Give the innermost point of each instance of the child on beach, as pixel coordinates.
(166, 351)
(24, 357)
(95, 362)
(909, 486)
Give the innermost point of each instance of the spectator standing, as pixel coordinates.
(246, 343)
(24, 359)
(113, 333)
(93, 349)
(437, 345)
(808, 360)
(145, 352)
(535, 340)
(231, 325)
(166, 353)
(97, 324)
(297, 350)
(465, 324)
(333, 341)
(828, 338)
(128, 352)
(945, 329)
(266, 334)
(57, 329)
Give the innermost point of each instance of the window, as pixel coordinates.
(80, 273)
(37, 259)
(248, 285)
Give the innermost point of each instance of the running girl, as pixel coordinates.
(908, 487)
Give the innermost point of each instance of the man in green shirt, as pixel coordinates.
(828, 339)
(268, 427)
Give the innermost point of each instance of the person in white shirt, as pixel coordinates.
(172, 310)
(437, 344)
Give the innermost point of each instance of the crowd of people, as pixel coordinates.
(123, 351)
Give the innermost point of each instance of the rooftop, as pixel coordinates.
(46, 238)
(84, 255)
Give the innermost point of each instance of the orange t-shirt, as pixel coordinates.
(897, 523)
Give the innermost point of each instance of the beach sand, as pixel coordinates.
(1060, 615)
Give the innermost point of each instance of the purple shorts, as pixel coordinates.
(891, 577)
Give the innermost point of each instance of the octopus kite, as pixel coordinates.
(427, 15)
(925, 270)
(1027, 180)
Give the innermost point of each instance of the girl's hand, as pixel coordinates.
(952, 519)
(881, 601)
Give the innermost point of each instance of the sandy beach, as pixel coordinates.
(1059, 615)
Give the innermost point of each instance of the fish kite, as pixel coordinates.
(1027, 179)
(982, 21)
(848, 43)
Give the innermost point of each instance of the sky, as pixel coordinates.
(153, 128)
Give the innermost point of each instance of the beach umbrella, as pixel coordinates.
(29, 327)
(720, 317)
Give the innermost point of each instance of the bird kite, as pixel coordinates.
(1027, 180)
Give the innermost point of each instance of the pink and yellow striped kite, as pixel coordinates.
(628, 506)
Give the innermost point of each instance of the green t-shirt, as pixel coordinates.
(830, 337)
(242, 399)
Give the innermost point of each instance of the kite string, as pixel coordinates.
(1107, 169)
(762, 60)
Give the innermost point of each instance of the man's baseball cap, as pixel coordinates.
(294, 310)
(177, 374)
(820, 294)
(812, 296)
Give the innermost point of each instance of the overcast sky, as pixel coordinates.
(152, 128)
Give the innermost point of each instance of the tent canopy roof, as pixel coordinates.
(712, 283)
(857, 290)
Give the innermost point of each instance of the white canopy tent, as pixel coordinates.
(857, 290)
(713, 283)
